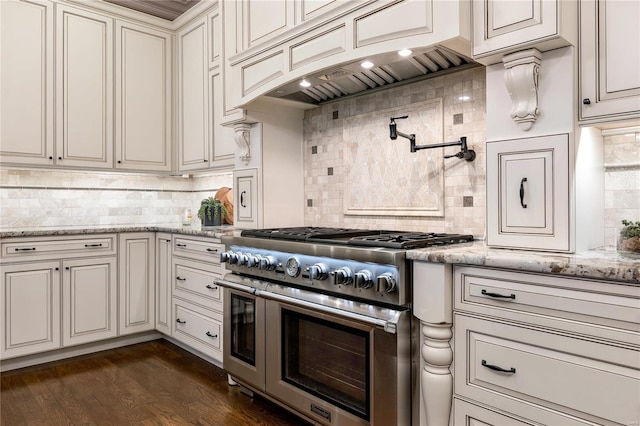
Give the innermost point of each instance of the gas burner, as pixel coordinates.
(409, 240)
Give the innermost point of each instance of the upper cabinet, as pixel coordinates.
(26, 92)
(202, 142)
(93, 79)
(609, 61)
(143, 98)
(268, 46)
(84, 83)
(501, 27)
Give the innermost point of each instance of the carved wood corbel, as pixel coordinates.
(243, 140)
(521, 79)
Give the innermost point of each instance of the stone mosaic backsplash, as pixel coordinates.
(44, 198)
(340, 148)
(621, 180)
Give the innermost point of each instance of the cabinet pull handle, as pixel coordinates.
(180, 245)
(490, 294)
(26, 249)
(524, 206)
(179, 278)
(496, 368)
(212, 250)
(179, 321)
(93, 245)
(210, 287)
(214, 336)
(242, 199)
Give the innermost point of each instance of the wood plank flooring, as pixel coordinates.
(153, 383)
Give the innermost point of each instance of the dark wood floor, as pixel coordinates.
(154, 383)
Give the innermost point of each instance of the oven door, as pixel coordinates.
(338, 370)
(244, 336)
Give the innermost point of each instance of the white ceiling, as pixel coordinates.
(165, 9)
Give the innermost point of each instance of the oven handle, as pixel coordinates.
(388, 326)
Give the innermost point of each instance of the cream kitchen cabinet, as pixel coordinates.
(502, 27)
(26, 92)
(137, 286)
(89, 300)
(84, 82)
(196, 298)
(609, 61)
(202, 142)
(546, 349)
(143, 98)
(30, 308)
(164, 281)
(245, 212)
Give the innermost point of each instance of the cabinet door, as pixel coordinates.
(163, 283)
(245, 187)
(29, 308)
(193, 108)
(26, 82)
(84, 97)
(528, 193)
(609, 60)
(143, 98)
(89, 304)
(137, 282)
(223, 145)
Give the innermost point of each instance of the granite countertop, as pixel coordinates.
(194, 229)
(598, 264)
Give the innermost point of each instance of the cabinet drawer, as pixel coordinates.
(195, 281)
(56, 247)
(470, 414)
(509, 295)
(197, 327)
(201, 249)
(560, 372)
(528, 193)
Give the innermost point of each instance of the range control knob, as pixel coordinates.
(342, 276)
(224, 257)
(252, 260)
(317, 271)
(386, 283)
(363, 279)
(242, 259)
(267, 263)
(233, 257)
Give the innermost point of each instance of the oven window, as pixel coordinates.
(328, 360)
(243, 330)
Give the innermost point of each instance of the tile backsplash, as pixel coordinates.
(44, 198)
(356, 176)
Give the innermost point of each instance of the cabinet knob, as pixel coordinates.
(50, 158)
(66, 268)
(586, 101)
(59, 158)
(119, 162)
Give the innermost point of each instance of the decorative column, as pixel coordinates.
(521, 79)
(436, 379)
(242, 137)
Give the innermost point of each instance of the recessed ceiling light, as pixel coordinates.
(305, 83)
(367, 64)
(405, 52)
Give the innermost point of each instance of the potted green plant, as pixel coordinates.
(629, 238)
(211, 212)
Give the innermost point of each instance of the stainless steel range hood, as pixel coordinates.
(389, 69)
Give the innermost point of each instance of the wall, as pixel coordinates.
(328, 157)
(44, 198)
(621, 180)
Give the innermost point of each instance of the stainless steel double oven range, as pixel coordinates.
(319, 320)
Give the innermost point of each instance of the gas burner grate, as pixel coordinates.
(409, 240)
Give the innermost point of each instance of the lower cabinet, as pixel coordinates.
(29, 308)
(536, 349)
(136, 253)
(198, 327)
(89, 300)
(163, 283)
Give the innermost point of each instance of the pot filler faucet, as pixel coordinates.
(465, 153)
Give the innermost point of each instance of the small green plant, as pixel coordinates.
(211, 207)
(629, 239)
